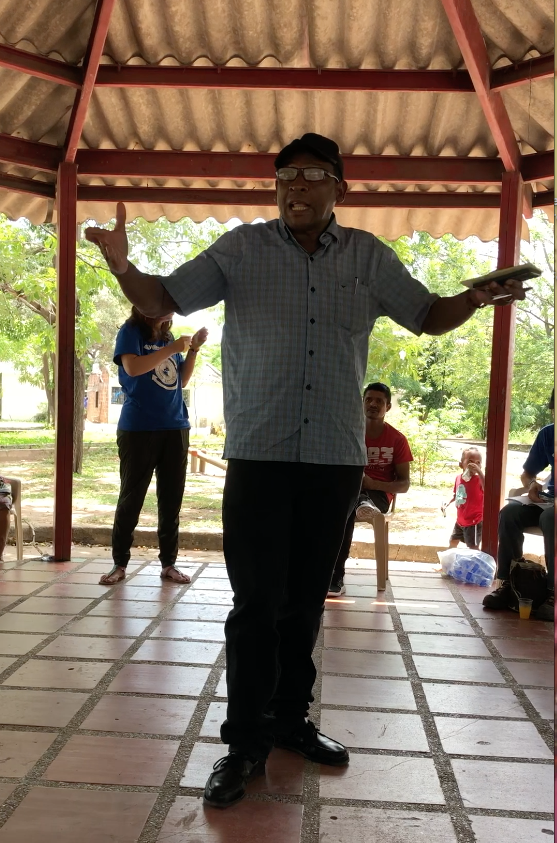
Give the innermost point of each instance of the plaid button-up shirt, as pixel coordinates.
(296, 332)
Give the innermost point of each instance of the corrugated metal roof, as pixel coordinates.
(412, 34)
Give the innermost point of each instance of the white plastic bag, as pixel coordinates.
(467, 565)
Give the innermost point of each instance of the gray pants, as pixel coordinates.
(513, 520)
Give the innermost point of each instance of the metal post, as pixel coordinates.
(504, 320)
(66, 199)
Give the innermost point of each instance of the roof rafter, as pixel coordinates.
(380, 169)
(541, 67)
(267, 198)
(274, 78)
(468, 34)
(263, 198)
(91, 63)
(44, 68)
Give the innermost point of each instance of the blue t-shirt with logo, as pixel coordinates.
(153, 401)
(542, 455)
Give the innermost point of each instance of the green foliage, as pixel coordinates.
(455, 367)
(424, 436)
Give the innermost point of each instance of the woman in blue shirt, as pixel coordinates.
(153, 434)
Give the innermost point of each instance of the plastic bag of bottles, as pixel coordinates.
(471, 566)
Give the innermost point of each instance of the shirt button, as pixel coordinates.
(311, 260)
(312, 321)
(311, 353)
(313, 289)
(306, 421)
(308, 386)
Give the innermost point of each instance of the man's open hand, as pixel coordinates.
(113, 244)
(498, 294)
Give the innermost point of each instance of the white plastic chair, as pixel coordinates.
(15, 483)
(380, 526)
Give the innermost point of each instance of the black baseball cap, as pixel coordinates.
(318, 145)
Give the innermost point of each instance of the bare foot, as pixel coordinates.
(116, 575)
(170, 572)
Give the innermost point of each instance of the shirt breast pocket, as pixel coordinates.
(352, 306)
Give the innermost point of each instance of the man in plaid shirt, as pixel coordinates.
(301, 297)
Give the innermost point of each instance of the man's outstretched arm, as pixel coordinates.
(449, 312)
(145, 291)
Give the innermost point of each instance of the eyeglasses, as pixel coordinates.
(309, 174)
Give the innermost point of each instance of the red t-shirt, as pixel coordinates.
(469, 499)
(384, 453)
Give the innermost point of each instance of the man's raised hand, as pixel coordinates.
(113, 244)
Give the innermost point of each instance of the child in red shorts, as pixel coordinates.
(468, 495)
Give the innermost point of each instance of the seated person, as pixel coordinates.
(387, 472)
(514, 518)
(5, 508)
(468, 493)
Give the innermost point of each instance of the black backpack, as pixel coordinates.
(528, 580)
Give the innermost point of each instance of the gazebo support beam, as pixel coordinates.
(274, 78)
(66, 205)
(468, 34)
(91, 63)
(504, 321)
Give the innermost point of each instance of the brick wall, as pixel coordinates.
(98, 397)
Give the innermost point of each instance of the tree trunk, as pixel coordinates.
(79, 395)
(49, 391)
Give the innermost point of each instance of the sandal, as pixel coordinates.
(117, 574)
(184, 579)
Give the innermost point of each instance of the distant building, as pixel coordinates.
(18, 401)
(203, 397)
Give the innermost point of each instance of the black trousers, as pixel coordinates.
(381, 501)
(141, 453)
(513, 519)
(280, 549)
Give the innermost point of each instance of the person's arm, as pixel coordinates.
(445, 505)
(195, 285)
(475, 469)
(397, 486)
(449, 312)
(536, 461)
(533, 486)
(188, 365)
(139, 364)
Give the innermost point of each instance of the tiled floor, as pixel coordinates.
(111, 701)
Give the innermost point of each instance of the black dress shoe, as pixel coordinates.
(314, 746)
(228, 782)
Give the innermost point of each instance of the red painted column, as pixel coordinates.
(504, 320)
(66, 199)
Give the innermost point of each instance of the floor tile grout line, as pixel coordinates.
(171, 787)
(449, 786)
(545, 731)
(34, 775)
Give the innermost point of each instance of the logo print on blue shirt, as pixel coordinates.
(165, 374)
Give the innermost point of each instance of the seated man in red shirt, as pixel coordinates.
(387, 472)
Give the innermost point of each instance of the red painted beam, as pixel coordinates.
(542, 67)
(25, 153)
(543, 199)
(379, 169)
(32, 186)
(283, 78)
(469, 37)
(504, 322)
(66, 202)
(91, 63)
(39, 66)
(539, 166)
(266, 198)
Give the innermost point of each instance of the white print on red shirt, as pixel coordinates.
(379, 456)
